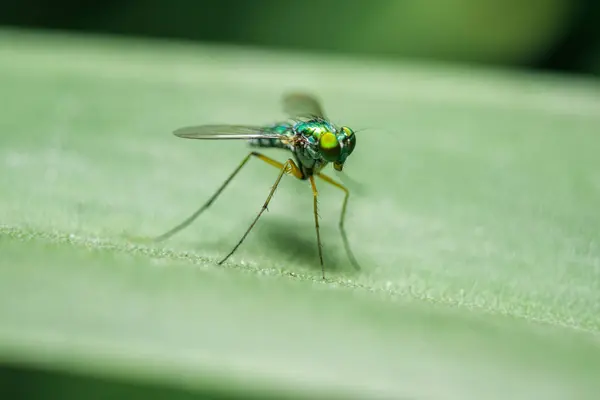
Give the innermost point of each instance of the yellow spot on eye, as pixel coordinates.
(328, 140)
(346, 131)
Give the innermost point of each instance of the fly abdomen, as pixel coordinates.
(267, 143)
(278, 129)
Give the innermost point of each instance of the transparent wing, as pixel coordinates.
(230, 132)
(302, 105)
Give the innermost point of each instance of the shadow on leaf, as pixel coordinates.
(297, 244)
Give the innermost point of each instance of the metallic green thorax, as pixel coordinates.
(314, 142)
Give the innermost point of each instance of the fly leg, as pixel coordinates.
(342, 218)
(289, 167)
(197, 213)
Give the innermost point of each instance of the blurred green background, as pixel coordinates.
(558, 35)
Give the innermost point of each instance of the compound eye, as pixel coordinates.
(346, 131)
(350, 140)
(330, 147)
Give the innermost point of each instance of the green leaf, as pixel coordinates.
(476, 226)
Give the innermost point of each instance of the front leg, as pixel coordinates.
(342, 219)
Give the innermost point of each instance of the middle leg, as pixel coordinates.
(289, 167)
(315, 210)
